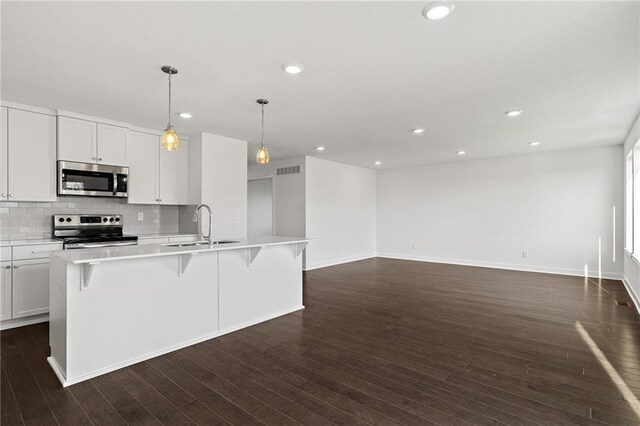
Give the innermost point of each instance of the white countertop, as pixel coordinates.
(37, 241)
(167, 235)
(28, 242)
(153, 250)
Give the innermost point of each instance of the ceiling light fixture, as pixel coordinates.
(262, 156)
(418, 131)
(169, 140)
(293, 68)
(461, 152)
(514, 113)
(319, 148)
(534, 143)
(185, 115)
(377, 163)
(437, 10)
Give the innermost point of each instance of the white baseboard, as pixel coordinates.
(508, 266)
(632, 293)
(21, 322)
(338, 261)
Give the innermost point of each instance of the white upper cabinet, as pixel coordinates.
(91, 142)
(173, 188)
(4, 184)
(156, 176)
(142, 152)
(112, 144)
(77, 140)
(30, 140)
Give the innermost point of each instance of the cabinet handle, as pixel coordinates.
(38, 251)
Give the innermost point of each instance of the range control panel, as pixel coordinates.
(75, 220)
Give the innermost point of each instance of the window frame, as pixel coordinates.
(629, 198)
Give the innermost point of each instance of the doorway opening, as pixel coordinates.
(260, 207)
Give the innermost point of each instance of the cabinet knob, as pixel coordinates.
(99, 158)
(15, 266)
(11, 195)
(4, 195)
(7, 267)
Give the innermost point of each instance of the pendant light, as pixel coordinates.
(169, 140)
(262, 156)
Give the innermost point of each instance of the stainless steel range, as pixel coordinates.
(79, 231)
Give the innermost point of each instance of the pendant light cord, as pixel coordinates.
(262, 135)
(169, 124)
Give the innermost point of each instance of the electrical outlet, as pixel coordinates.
(525, 254)
(236, 217)
(140, 216)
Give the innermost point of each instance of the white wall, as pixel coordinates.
(631, 266)
(218, 177)
(289, 196)
(340, 213)
(260, 207)
(556, 206)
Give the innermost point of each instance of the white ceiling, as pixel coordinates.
(372, 72)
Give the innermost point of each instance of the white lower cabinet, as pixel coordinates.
(30, 285)
(5, 290)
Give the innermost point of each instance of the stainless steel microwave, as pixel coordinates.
(92, 180)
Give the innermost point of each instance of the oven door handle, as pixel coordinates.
(115, 182)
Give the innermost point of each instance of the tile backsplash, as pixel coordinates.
(20, 220)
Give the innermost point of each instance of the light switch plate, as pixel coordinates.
(140, 216)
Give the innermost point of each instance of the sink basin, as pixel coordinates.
(199, 243)
(186, 244)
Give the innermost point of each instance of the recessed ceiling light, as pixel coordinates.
(377, 163)
(534, 143)
(461, 152)
(185, 115)
(514, 113)
(292, 68)
(418, 131)
(437, 10)
(319, 148)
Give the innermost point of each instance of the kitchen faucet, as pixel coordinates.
(195, 219)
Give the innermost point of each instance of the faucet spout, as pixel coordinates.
(195, 219)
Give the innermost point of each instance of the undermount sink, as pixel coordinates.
(199, 243)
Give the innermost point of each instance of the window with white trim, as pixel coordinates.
(628, 203)
(635, 202)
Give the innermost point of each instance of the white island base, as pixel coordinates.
(111, 308)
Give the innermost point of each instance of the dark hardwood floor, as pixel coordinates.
(380, 342)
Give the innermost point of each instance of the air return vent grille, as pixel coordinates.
(288, 170)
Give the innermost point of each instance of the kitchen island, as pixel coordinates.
(113, 307)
